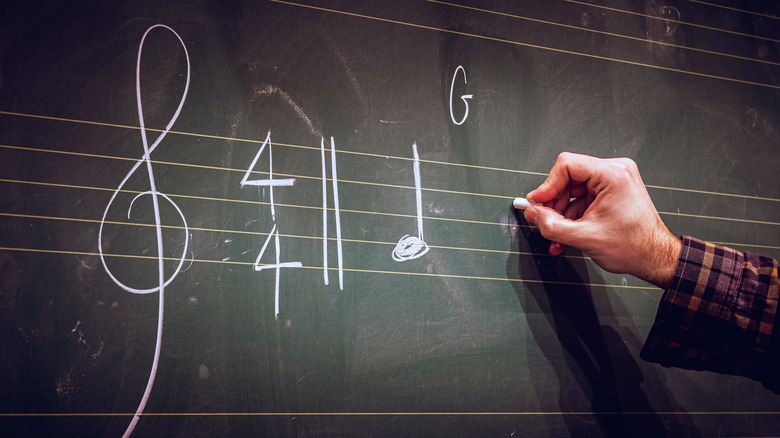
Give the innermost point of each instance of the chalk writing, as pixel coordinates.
(412, 247)
(337, 213)
(324, 213)
(155, 195)
(270, 182)
(463, 97)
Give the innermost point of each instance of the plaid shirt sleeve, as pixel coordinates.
(719, 314)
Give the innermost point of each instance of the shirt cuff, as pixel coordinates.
(716, 315)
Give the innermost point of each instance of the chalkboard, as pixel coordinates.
(292, 218)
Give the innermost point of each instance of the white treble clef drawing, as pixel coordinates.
(156, 196)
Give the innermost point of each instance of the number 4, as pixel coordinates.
(270, 183)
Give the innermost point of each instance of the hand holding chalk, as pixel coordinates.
(602, 207)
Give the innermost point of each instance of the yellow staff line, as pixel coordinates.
(734, 244)
(319, 268)
(730, 219)
(534, 46)
(735, 9)
(245, 140)
(360, 241)
(278, 174)
(363, 241)
(653, 17)
(377, 414)
(343, 210)
(708, 192)
(400, 186)
(241, 201)
(294, 236)
(443, 163)
(601, 32)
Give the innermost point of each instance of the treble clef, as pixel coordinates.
(156, 196)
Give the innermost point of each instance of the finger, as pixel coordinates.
(556, 227)
(562, 203)
(576, 209)
(532, 216)
(578, 191)
(569, 170)
(556, 248)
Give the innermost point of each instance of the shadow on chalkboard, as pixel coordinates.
(598, 374)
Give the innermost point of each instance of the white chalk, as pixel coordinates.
(522, 203)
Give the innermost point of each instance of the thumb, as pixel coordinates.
(553, 225)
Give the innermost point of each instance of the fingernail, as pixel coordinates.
(530, 215)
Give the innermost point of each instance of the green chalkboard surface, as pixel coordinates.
(292, 218)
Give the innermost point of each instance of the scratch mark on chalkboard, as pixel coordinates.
(753, 114)
(648, 295)
(80, 333)
(434, 209)
(84, 264)
(351, 76)
(305, 376)
(192, 260)
(65, 386)
(274, 90)
(203, 372)
(99, 351)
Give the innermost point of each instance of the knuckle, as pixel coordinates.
(625, 168)
(564, 157)
(628, 164)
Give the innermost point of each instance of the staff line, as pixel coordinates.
(730, 219)
(254, 141)
(744, 11)
(319, 268)
(227, 169)
(366, 154)
(284, 175)
(376, 414)
(242, 201)
(669, 20)
(359, 241)
(532, 46)
(601, 32)
(379, 213)
(293, 236)
(709, 192)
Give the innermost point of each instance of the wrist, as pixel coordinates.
(663, 260)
